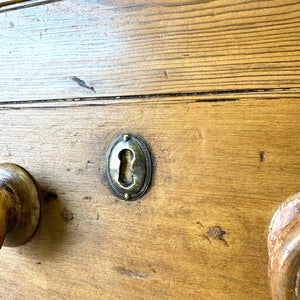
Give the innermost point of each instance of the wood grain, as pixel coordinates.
(213, 86)
(208, 172)
(141, 48)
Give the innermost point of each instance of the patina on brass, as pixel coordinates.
(129, 166)
(19, 205)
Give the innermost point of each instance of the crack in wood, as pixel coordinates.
(147, 96)
(8, 6)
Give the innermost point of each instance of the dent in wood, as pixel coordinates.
(67, 215)
(263, 156)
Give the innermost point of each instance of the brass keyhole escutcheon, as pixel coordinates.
(125, 171)
(129, 166)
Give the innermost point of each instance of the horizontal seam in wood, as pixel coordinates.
(8, 7)
(146, 96)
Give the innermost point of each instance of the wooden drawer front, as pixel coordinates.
(208, 172)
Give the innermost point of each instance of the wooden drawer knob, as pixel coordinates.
(19, 205)
(284, 250)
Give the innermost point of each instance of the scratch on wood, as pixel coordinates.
(82, 83)
(207, 238)
(132, 273)
(198, 222)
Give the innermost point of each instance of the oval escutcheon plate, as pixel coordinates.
(129, 166)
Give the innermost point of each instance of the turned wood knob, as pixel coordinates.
(284, 250)
(19, 205)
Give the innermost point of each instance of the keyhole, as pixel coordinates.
(125, 171)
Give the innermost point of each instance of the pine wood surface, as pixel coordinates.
(208, 172)
(141, 47)
(213, 86)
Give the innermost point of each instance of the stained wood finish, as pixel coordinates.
(213, 86)
(139, 47)
(208, 173)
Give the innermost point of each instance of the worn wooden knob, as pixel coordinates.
(19, 205)
(284, 250)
